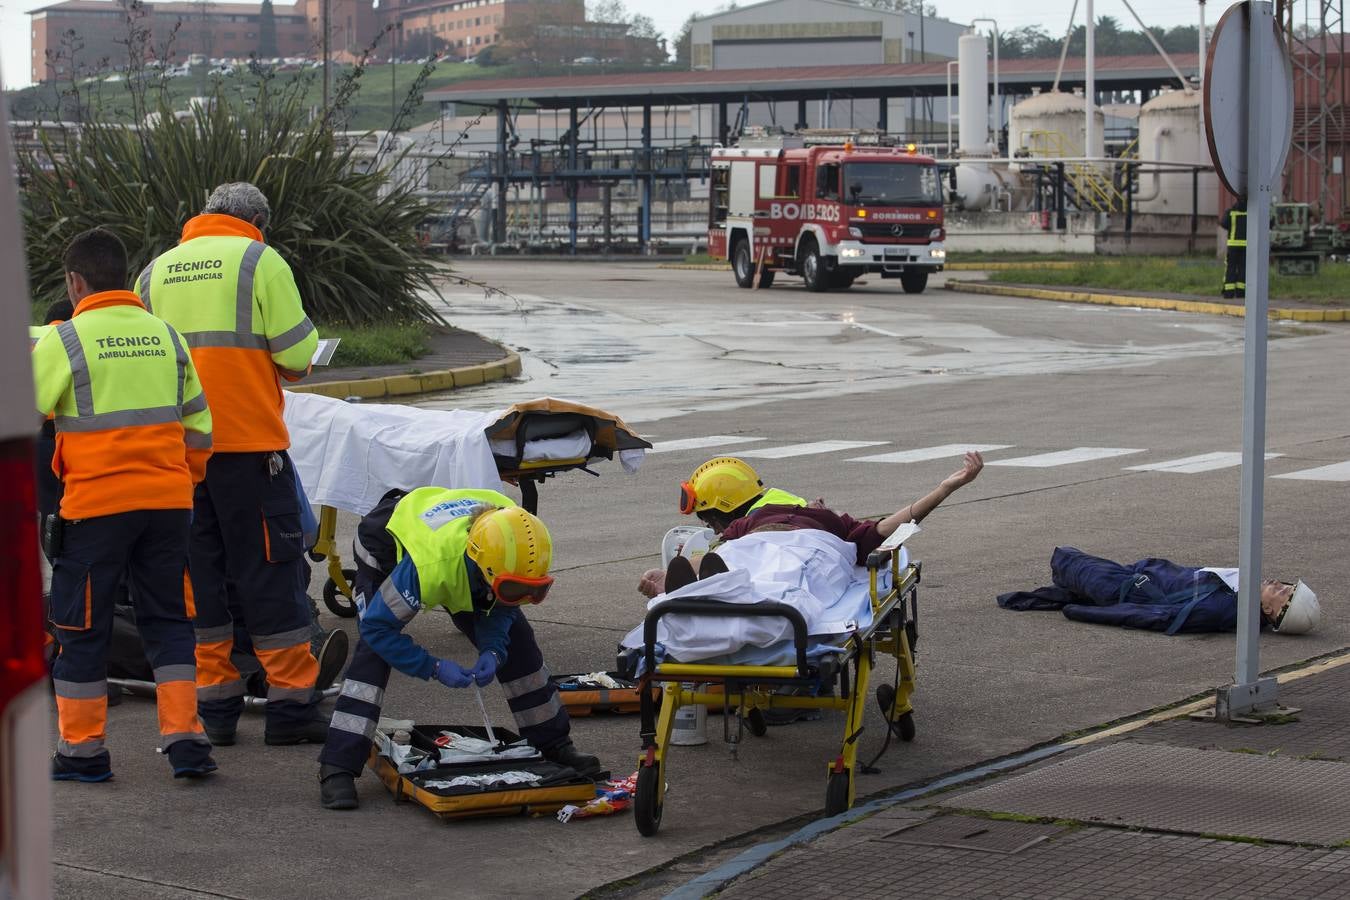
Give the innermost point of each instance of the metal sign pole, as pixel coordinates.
(1248, 691)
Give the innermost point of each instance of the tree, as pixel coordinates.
(350, 223)
(267, 31)
(612, 11)
(684, 43)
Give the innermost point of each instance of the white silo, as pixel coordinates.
(1052, 125)
(973, 100)
(1171, 130)
(978, 186)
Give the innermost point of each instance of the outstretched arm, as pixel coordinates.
(920, 508)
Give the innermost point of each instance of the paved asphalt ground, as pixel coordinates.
(687, 355)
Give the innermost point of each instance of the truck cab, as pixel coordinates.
(828, 213)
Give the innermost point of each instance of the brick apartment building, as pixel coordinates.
(91, 35)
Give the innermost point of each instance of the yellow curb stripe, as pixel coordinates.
(1204, 703)
(420, 383)
(1206, 307)
(697, 267)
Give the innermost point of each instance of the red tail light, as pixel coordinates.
(21, 615)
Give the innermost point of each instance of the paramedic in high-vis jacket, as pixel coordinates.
(481, 557)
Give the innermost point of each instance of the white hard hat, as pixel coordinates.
(1302, 614)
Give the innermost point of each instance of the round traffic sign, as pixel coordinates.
(1227, 103)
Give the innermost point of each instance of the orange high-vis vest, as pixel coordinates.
(132, 427)
(234, 300)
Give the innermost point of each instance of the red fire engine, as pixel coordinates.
(827, 213)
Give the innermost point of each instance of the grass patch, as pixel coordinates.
(378, 345)
(701, 259)
(1186, 275)
(1000, 256)
(1319, 755)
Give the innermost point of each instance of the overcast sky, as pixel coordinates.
(15, 47)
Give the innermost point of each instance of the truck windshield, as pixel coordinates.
(892, 184)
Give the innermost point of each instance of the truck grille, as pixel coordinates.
(894, 229)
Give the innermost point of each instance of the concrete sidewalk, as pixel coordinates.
(1176, 808)
(457, 358)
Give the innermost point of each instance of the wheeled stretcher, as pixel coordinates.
(349, 455)
(839, 680)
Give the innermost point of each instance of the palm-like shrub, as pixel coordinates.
(349, 232)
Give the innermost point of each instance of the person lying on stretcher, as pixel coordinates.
(728, 496)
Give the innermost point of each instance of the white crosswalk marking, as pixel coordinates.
(807, 449)
(712, 440)
(1334, 472)
(1063, 457)
(1190, 465)
(921, 454)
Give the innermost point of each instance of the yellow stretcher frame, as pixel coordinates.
(750, 689)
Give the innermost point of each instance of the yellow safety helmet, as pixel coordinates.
(514, 550)
(724, 484)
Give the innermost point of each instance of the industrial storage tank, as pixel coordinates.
(1171, 130)
(973, 95)
(1052, 124)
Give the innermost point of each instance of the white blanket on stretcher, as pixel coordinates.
(811, 570)
(350, 454)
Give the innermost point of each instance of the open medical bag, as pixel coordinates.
(556, 785)
(583, 694)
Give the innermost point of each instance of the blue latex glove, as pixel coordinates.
(485, 669)
(448, 673)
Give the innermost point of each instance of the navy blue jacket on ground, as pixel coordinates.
(1153, 594)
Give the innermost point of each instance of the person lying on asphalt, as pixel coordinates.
(1160, 595)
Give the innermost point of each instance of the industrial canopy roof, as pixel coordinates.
(798, 83)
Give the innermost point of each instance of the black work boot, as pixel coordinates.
(332, 657)
(337, 788)
(711, 565)
(566, 754)
(190, 759)
(219, 735)
(314, 731)
(679, 573)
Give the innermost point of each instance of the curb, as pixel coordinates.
(697, 267)
(421, 383)
(1167, 303)
(1006, 266)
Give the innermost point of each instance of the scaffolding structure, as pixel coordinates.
(1316, 168)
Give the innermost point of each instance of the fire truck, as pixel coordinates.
(826, 213)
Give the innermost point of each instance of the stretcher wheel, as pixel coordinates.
(646, 806)
(836, 793)
(338, 603)
(902, 727)
(756, 722)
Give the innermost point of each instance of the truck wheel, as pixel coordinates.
(766, 278)
(813, 267)
(742, 266)
(914, 281)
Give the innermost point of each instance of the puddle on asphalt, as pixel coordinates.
(652, 357)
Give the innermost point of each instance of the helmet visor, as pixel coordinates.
(516, 590)
(688, 498)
